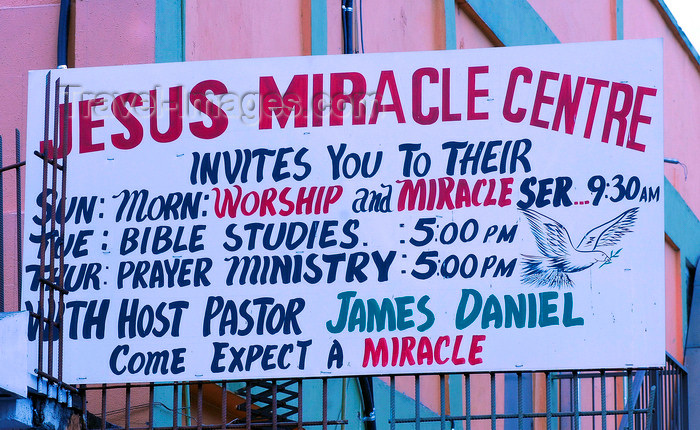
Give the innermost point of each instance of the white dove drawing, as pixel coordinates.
(560, 257)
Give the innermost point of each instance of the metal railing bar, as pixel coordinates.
(559, 414)
(18, 180)
(62, 245)
(493, 400)
(548, 395)
(103, 424)
(49, 160)
(52, 379)
(603, 401)
(42, 246)
(325, 402)
(14, 166)
(468, 401)
(442, 402)
(392, 402)
(574, 389)
(417, 402)
(2, 242)
(300, 408)
(200, 402)
(52, 247)
(520, 401)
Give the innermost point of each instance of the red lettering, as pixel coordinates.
(244, 204)
(339, 98)
(386, 78)
(199, 100)
(506, 190)
(417, 102)
(332, 196)
(285, 201)
(508, 113)
(174, 115)
(128, 120)
(463, 197)
(567, 105)
(294, 99)
(473, 92)
(407, 345)
(229, 205)
(86, 124)
(380, 352)
(490, 201)
(597, 86)
(446, 114)
(438, 347)
(316, 101)
(446, 185)
(425, 351)
(268, 197)
(620, 115)
(455, 352)
(411, 192)
(637, 118)
(475, 349)
(475, 193)
(541, 99)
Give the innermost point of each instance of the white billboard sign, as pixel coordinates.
(496, 209)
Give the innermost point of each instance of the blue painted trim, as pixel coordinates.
(620, 19)
(513, 22)
(319, 27)
(456, 382)
(450, 25)
(683, 228)
(170, 31)
(690, 49)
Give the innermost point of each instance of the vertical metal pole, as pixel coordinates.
(417, 402)
(18, 177)
(176, 405)
(650, 409)
(127, 424)
(325, 403)
(575, 396)
(684, 402)
(52, 243)
(199, 405)
(593, 399)
(392, 402)
(42, 246)
(468, 401)
(300, 403)
(493, 401)
(2, 236)
(274, 404)
(104, 407)
(548, 391)
(442, 402)
(630, 403)
(248, 406)
(667, 387)
(520, 400)
(603, 401)
(61, 269)
(151, 396)
(224, 407)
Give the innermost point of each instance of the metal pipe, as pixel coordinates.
(62, 43)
